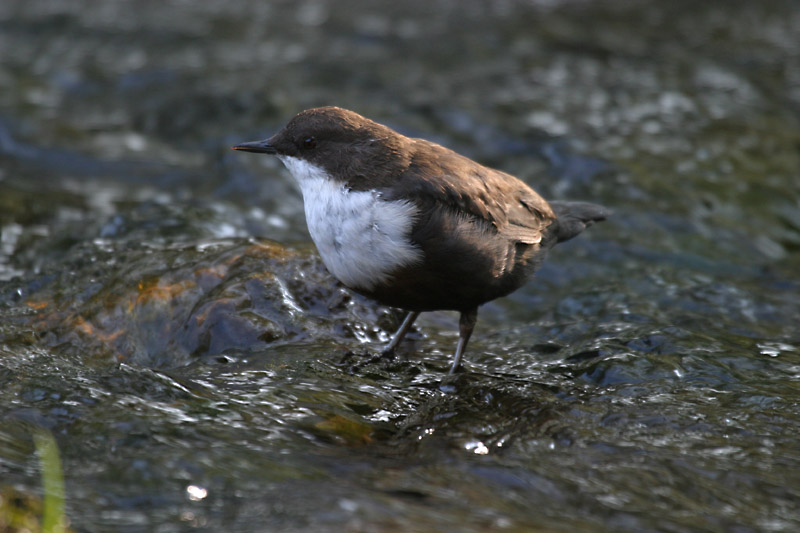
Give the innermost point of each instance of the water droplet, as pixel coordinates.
(196, 492)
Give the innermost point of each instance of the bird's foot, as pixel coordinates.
(364, 359)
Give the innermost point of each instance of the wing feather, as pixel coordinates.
(437, 174)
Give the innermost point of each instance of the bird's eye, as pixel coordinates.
(309, 143)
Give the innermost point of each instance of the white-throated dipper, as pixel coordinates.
(413, 224)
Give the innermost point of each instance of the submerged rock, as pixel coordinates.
(161, 309)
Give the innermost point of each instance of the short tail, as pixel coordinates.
(574, 217)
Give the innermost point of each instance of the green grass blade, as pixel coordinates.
(54, 519)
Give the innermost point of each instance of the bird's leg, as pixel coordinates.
(401, 332)
(465, 326)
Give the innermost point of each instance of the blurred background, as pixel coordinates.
(164, 315)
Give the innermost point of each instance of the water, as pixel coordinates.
(164, 315)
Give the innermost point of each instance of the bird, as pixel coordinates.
(414, 225)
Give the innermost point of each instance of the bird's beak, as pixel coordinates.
(260, 147)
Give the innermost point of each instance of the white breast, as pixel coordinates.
(362, 238)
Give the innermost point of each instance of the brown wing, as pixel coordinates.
(454, 181)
